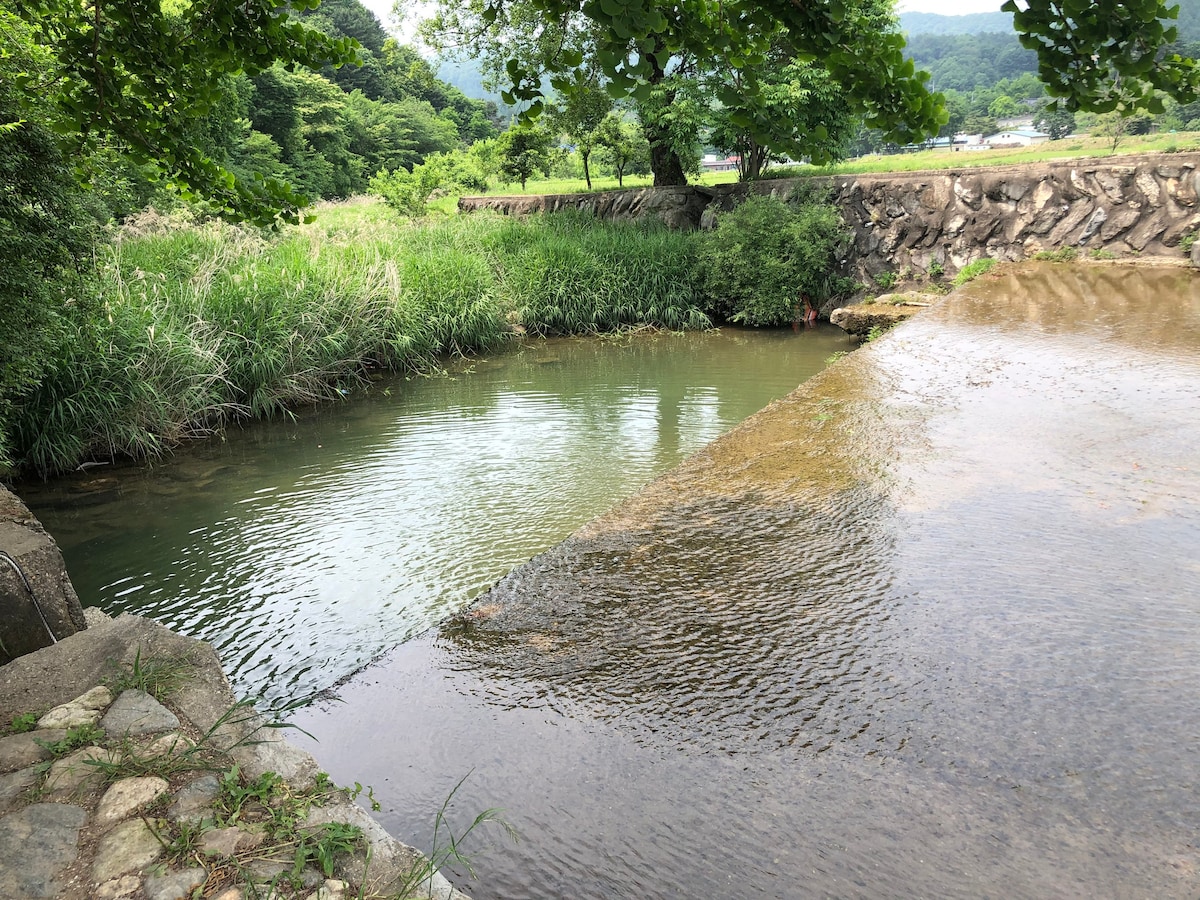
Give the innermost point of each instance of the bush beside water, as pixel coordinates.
(192, 325)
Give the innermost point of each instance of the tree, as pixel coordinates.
(139, 71)
(1004, 107)
(799, 112)
(1106, 55)
(651, 51)
(626, 145)
(1055, 121)
(580, 114)
(525, 149)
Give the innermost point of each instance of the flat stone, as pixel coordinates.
(230, 894)
(118, 887)
(36, 844)
(14, 785)
(129, 847)
(174, 885)
(193, 802)
(135, 713)
(228, 841)
(167, 745)
(83, 710)
(20, 750)
(74, 775)
(127, 795)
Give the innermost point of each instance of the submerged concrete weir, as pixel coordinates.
(926, 626)
(1124, 205)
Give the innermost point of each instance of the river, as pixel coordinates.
(929, 626)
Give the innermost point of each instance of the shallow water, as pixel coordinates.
(303, 550)
(929, 627)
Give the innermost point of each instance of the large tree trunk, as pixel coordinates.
(665, 164)
(664, 161)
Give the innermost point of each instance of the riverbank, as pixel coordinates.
(128, 770)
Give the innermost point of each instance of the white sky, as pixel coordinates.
(949, 7)
(383, 8)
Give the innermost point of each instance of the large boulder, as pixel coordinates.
(38, 605)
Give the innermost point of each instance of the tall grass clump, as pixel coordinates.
(201, 324)
(767, 256)
(568, 273)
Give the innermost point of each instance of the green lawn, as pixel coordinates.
(1067, 148)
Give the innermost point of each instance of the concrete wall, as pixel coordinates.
(36, 596)
(1125, 205)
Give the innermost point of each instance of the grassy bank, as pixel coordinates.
(194, 325)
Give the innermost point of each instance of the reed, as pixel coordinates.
(203, 323)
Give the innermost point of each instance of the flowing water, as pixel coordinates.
(928, 627)
(303, 550)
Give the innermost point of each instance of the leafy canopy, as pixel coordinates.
(140, 71)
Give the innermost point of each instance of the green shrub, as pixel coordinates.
(973, 270)
(766, 256)
(886, 280)
(1062, 254)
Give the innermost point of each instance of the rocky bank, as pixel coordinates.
(130, 771)
(1124, 206)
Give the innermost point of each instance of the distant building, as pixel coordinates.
(1016, 138)
(713, 163)
(969, 142)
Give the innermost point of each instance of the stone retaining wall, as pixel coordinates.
(1122, 205)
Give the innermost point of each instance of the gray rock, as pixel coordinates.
(37, 603)
(391, 862)
(193, 802)
(129, 847)
(293, 765)
(127, 795)
(36, 845)
(135, 713)
(174, 885)
(14, 785)
(20, 750)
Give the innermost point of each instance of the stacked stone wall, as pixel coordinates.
(1125, 205)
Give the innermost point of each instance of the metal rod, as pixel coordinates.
(32, 596)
